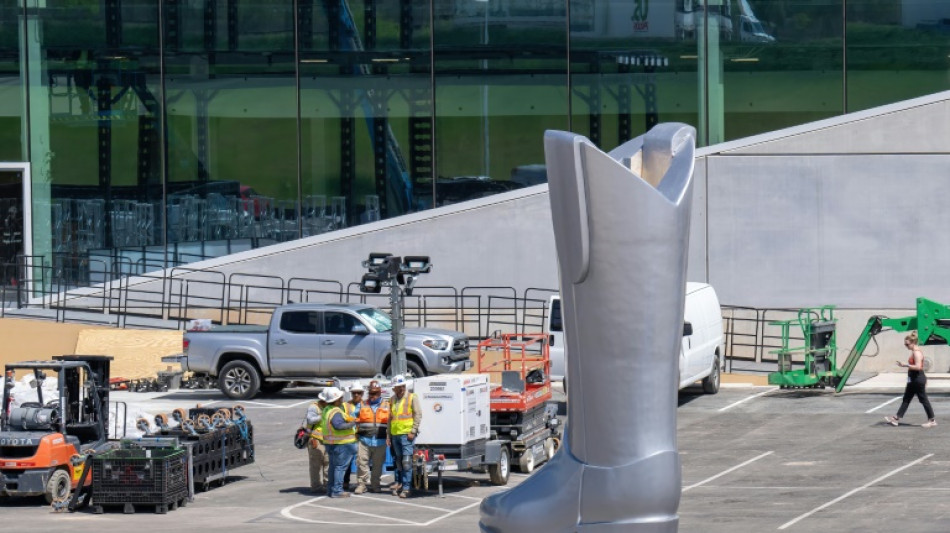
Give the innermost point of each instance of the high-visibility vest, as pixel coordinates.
(369, 421)
(331, 435)
(316, 430)
(400, 417)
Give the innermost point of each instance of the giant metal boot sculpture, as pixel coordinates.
(621, 225)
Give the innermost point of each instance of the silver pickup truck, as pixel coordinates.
(309, 341)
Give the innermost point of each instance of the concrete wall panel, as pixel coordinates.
(859, 231)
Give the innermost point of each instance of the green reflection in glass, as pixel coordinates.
(499, 77)
(95, 134)
(896, 51)
(632, 65)
(781, 64)
(11, 88)
(232, 126)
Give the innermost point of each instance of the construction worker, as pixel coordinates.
(352, 409)
(316, 452)
(339, 437)
(372, 420)
(405, 415)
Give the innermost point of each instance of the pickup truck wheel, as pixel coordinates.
(413, 370)
(711, 382)
(239, 380)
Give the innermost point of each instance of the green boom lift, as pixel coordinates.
(932, 323)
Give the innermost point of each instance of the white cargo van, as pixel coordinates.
(700, 357)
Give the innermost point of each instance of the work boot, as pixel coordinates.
(395, 486)
(375, 489)
(404, 494)
(360, 489)
(621, 238)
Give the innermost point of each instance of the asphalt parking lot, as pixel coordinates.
(754, 459)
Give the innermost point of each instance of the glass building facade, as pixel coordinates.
(152, 133)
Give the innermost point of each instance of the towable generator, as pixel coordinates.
(44, 442)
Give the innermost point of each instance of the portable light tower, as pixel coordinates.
(400, 275)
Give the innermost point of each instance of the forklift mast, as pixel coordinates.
(97, 391)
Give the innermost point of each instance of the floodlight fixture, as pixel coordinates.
(371, 283)
(416, 264)
(377, 260)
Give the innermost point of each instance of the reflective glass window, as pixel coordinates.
(11, 88)
(500, 82)
(95, 134)
(232, 126)
(896, 50)
(366, 112)
(633, 64)
(780, 63)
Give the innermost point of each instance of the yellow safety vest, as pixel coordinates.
(400, 417)
(331, 435)
(316, 430)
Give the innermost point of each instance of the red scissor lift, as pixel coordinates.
(521, 412)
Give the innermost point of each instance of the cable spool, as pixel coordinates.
(203, 423)
(179, 414)
(142, 425)
(226, 413)
(161, 420)
(238, 411)
(189, 426)
(218, 420)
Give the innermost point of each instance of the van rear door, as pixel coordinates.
(556, 348)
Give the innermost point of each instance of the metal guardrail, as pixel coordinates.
(170, 298)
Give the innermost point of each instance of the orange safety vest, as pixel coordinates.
(400, 421)
(368, 421)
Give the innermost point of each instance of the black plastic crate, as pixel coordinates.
(146, 476)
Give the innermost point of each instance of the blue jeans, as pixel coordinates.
(402, 447)
(340, 457)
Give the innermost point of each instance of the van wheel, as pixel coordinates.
(58, 487)
(711, 382)
(239, 380)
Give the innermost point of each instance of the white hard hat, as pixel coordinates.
(399, 381)
(331, 394)
(356, 387)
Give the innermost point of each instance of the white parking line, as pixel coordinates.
(342, 510)
(862, 487)
(287, 512)
(455, 512)
(731, 405)
(738, 466)
(400, 502)
(883, 404)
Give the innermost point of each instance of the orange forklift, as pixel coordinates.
(44, 441)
